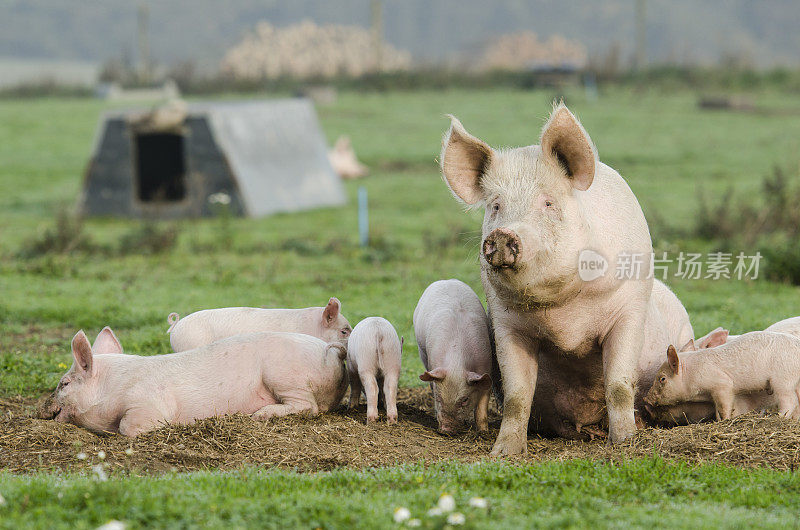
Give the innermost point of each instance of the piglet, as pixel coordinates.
(754, 362)
(264, 375)
(452, 332)
(210, 325)
(374, 355)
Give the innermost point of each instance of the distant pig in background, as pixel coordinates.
(210, 325)
(374, 355)
(265, 375)
(754, 362)
(452, 332)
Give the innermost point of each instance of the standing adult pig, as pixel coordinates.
(570, 337)
(374, 356)
(452, 333)
(210, 325)
(265, 375)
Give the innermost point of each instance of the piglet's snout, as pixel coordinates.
(501, 248)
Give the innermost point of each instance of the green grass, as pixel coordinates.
(633, 494)
(659, 141)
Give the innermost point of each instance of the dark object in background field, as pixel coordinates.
(246, 158)
(335, 440)
(735, 103)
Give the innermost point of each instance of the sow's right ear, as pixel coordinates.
(464, 160)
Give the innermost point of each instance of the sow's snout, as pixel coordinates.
(501, 248)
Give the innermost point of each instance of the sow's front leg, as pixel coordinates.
(621, 350)
(517, 357)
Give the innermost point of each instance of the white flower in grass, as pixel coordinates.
(435, 512)
(112, 525)
(414, 523)
(2, 500)
(100, 473)
(401, 514)
(81, 456)
(129, 451)
(456, 518)
(447, 503)
(478, 502)
(101, 455)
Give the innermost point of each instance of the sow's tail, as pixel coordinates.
(172, 319)
(337, 348)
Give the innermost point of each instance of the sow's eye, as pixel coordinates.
(345, 332)
(663, 379)
(495, 207)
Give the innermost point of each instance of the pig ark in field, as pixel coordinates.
(452, 333)
(374, 356)
(264, 375)
(204, 327)
(576, 349)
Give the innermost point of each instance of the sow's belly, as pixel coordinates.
(570, 395)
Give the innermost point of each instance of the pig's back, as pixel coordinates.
(211, 325)
(757, 356)
(790, 326)
(450, 316)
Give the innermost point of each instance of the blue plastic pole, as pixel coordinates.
(363, 217)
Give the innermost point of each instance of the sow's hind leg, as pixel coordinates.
(294, 405)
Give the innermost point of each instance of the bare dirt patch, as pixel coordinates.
(341, 439)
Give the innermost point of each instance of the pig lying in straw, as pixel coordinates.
(452, 333)
(261, 374)
(576, 340)
(754, 362)
(210, 325)
(374, 355)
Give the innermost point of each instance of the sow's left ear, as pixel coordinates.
(106, 342)
(564, 138)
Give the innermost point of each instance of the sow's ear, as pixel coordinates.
(437, 374)
(331, 311)
(672, 359)
(82, 352)
(464, 160)
(718, 337)
(564, 138)
(474, 378)
(106, 342)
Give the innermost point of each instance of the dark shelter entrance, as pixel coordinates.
(160, 167)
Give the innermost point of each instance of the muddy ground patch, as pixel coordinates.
(341, 439)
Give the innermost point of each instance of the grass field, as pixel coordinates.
(660, 142)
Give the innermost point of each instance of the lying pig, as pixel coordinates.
(453, 337)
(553, 213)
(754, 362)
(204, 327)
(374, 354)
(262, 374)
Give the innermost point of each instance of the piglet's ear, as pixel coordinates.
(474, 378)
(437, 374)
(564, 138)
(689, 346)
(672, 359)
(718, 337)
(82, 352)
(331, 311)
(464, 160)
(106, 342)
